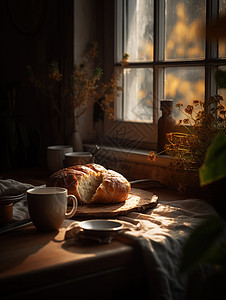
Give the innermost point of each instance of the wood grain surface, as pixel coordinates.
(138, 200)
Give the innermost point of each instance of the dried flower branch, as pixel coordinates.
(207, 120)
(110, 91)
(203, 121)
(87, 85)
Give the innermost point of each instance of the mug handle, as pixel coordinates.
(74, 207)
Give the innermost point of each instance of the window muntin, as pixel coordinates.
(201, 61)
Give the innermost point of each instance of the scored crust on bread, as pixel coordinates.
(92, 184)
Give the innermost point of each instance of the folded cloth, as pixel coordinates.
(20, 210)
(12, 187)
(163, 233)
(160, 240)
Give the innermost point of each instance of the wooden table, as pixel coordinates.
(34, 265)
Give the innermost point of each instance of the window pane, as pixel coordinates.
(183, 21)
(222, 45)
(139, 30)
(184, 85)
(138, 95)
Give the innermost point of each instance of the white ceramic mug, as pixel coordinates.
(48, 207)
(55, 156)
(77, 158)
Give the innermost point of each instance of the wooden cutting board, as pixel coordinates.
(138, 200)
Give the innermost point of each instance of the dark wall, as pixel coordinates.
(35, 33)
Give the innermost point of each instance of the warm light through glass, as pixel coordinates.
(184, 85)
(222, 44)
(182, 25)
(139, 30)
(138, 101)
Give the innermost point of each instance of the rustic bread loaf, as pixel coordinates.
(92, 184)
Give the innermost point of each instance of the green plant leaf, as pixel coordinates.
(201, 243)
(214, 166)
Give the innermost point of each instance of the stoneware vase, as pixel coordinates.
(76, 140)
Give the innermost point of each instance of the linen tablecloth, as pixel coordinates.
(160, 240)
(164, 231)
(11, 187)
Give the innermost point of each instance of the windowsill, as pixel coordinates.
(135, 156)
(134, 164)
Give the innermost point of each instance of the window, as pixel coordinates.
(168, 58)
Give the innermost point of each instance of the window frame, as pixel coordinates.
(210, 62)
